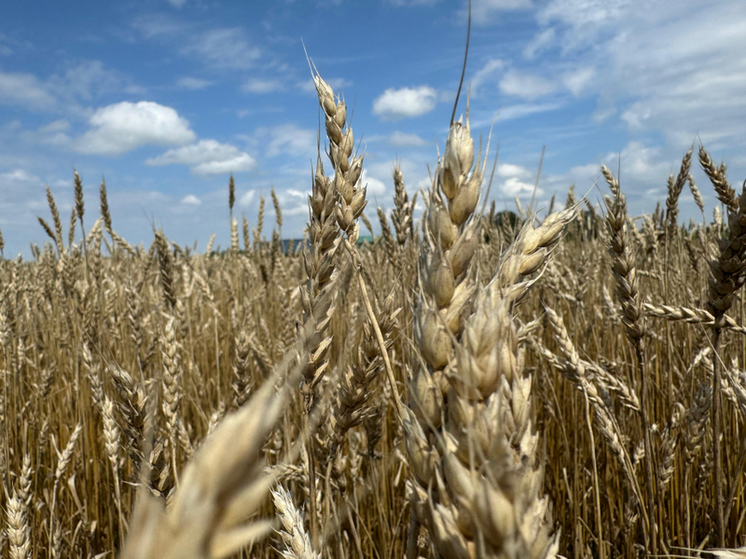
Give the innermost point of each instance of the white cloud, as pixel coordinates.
(637, 115)
(644, 169)
(514, 186)
(192, 83)
(18, 175)
(375, 186)
(158, 26)
(519, 110)
(246, 199)
(414, 171)
(660, 68)
(584, 174)
(400, 139)
(641, 163)
(525, 85)
(56, 126)
(485, 73)
(191, 200)
(515, 180)
(300, 209)
(578, 80)
(603, 113)
(686, 87)
(587, 18)
(24, 90)
(288, 140)
(295, 193)
(53, 134)
(539, 43)
(224, 48)
(260, 85)
(484, 11)
(86, 80)
(395, 104)
(207, 157)
(293, 202)
(125, 126)
(507, 170)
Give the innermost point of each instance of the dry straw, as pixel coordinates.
(416, 423)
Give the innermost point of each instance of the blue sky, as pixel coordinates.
(165, 98)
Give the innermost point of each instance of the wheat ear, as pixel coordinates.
(221, 487)
(294, 536)
(728, 275)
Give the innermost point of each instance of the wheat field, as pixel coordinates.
(551, 381)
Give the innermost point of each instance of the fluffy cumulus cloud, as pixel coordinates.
(376, 187)
(293, 202)
(641, 163)
(396, 104)
(126, 126)
(644, 169)
(207, 157)
(515, 180)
